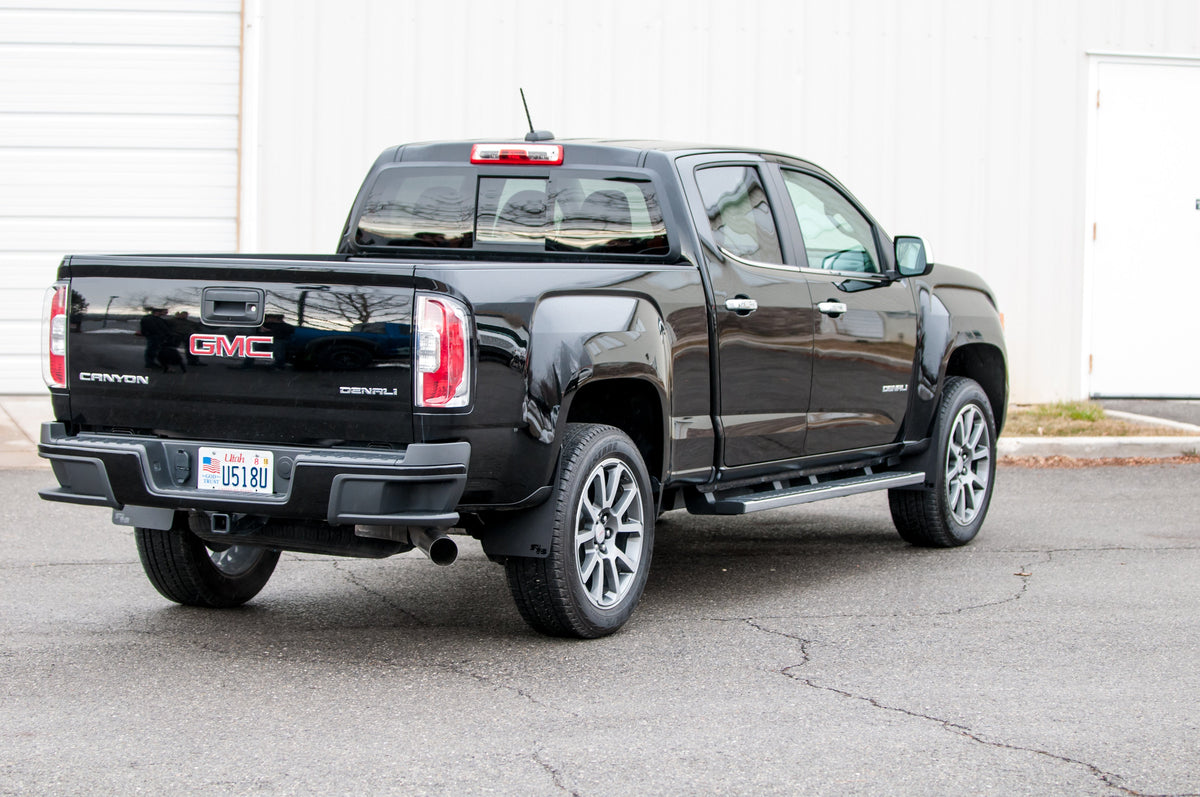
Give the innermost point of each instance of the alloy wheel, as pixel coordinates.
(968, 465)
(609, 527)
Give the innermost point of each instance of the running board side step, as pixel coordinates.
(774, 495)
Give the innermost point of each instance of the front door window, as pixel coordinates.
(836, 236)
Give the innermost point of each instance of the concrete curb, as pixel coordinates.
(1098, 447)
(1146, 420)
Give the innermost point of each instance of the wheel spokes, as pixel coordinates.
(968, 464)
(609, 525)
(588, 566)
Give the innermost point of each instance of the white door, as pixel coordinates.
(1145, 313)
(118, 132)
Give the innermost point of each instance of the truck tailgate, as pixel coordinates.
(314, 351)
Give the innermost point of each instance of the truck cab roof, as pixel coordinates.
(578, 151)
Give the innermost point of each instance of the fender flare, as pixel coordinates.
(579, 344)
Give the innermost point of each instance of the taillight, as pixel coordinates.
(54, 335)
(443, 367)
(518, 154)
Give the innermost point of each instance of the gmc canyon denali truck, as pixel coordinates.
(541, 344)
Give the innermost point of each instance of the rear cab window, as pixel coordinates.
(491, 210)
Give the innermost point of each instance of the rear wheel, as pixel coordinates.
(591, 580)
(951, 512)
(186, 570)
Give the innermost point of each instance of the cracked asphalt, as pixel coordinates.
(799, 651)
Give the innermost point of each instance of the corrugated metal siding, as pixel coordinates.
(964, 122)
(118, 132)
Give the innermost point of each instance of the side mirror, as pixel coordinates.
(911, 259)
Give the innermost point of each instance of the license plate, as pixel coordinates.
(236, 470)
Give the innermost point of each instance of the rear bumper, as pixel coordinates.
(419, 486)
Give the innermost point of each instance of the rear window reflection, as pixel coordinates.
(453, 208)
(608, 216)
(419, 207)
(511, 210)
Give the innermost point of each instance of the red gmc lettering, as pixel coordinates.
(257, 346)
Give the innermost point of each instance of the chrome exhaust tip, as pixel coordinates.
(440, 549)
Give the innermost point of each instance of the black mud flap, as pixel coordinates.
(524, 532)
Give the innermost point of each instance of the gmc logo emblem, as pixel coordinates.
(258, 346)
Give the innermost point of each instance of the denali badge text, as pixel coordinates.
(258, 346)
(895, 388)
(367, 391)
(126, 379)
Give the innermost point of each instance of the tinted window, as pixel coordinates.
(419, 207)
(568, 212)
(607, 216)
(836, 236)
(511, 210)
(739, 213)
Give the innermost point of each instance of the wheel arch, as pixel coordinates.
(636, 407)
(985, 364)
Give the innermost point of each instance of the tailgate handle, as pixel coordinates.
(239, 307)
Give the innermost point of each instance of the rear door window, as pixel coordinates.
(739, 212)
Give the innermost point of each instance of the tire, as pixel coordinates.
(185, 570)
(601, 544)
(951, 512)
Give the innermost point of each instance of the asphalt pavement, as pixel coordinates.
(802, 651)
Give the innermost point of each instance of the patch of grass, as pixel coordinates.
(1088, 411)
(1075, 419)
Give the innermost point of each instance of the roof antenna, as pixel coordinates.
(534, 135)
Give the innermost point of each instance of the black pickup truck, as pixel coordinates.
(541, 344)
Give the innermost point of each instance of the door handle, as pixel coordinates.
(832, 308)
(742, 305)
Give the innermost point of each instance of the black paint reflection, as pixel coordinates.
(151, 362)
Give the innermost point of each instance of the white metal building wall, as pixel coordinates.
(964, 122)
(118, 132)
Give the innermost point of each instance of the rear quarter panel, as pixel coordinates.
(545, 332)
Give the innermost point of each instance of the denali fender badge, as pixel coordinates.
(125, 379)
(368, 391)
(895, 388)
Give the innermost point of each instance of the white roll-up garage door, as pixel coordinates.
(118, 133)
